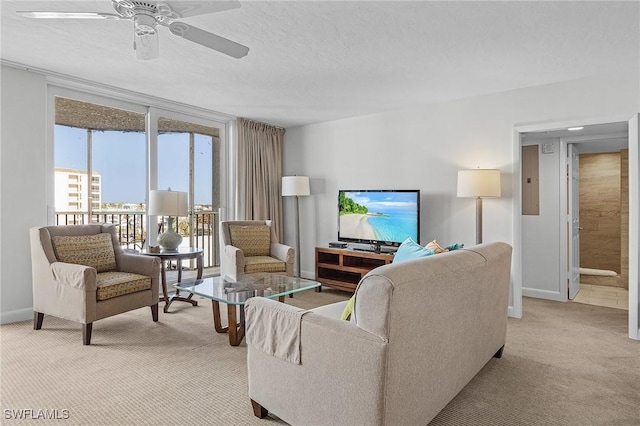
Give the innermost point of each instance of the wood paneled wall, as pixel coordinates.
(624, 217)
(600, 218)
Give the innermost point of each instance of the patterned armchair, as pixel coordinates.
(251, 246)
(81, 273)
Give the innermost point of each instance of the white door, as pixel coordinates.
(573, 219)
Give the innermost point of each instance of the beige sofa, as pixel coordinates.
(420, 331)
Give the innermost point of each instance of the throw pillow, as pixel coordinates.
(455, 246)
(89, 250)
(346, 314)
(409, 249)
(433, 245)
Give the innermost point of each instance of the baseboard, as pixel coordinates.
(308, 275)
(544, 294)
(16, 315)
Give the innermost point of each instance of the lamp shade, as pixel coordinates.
(168, 203)
(479, 183)
(295, 185)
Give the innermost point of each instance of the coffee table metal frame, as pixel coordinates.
(235, 293)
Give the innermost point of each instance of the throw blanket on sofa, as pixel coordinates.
(275, 331)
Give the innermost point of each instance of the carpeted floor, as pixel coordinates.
(564, 364)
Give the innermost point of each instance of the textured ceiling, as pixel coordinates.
(317, 61)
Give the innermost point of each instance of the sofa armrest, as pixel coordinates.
(282, 252)
(330, 350)
(139, 264)
(78, 276)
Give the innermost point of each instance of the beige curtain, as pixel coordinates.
(260, 172)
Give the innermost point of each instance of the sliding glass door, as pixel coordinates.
(100, 167)
(188, 161)
(107, 154)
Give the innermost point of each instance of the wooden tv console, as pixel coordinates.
(343, 268)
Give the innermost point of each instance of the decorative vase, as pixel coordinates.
(169, 240)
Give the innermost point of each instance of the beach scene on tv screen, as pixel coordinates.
(380, 216)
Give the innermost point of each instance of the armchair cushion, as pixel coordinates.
(95, 250)
(263, 264)
(253, 240)
(113, 284)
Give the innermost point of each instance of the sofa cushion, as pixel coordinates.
(409, 249)
(332, 310)
(253, 240)
(94, 250)
(114, 284)
(263, 264)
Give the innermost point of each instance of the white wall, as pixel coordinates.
(542, 232)
(23, 185)
(424, 148)
(419, 148)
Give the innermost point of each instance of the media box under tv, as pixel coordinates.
(337, 244)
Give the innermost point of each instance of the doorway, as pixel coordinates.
(601, 226)
(556, 248)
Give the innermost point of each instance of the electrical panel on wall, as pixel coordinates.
(548, 148)
(531, 179)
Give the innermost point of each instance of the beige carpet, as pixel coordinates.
(564, 364)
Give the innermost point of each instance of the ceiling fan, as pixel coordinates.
(146, 15)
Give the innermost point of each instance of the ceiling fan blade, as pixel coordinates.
(193, 8)
(209, 40)
(67, 15)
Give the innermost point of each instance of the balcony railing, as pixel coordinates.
(132, 229)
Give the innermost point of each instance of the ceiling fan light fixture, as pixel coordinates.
(146, 45)
(144, 25)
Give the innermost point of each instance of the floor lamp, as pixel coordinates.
(479, 184)
(296, 186)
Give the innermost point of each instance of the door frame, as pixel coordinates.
(572, 219)
(634, 209)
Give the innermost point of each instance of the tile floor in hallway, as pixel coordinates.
(612, 297)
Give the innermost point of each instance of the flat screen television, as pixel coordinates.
(378, 217)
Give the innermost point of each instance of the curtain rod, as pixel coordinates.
(260, 122)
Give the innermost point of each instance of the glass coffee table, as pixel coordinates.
(236, 293)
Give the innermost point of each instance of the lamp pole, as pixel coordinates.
(297, 253)
(478, 220)
(296, 186)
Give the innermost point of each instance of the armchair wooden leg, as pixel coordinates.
(258, 410)
(37, 320)
(86, 333)
(499, 353)
(154, 312)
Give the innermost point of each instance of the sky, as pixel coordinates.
(120, 159)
